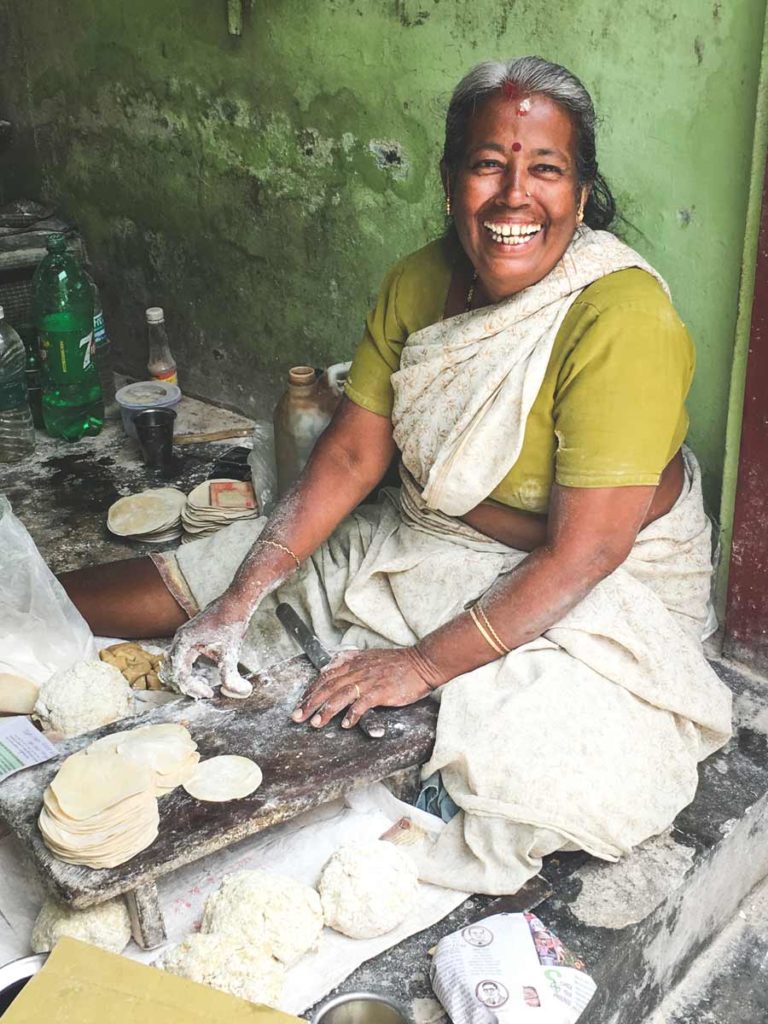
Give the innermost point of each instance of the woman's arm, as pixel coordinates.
(590, 532)
(347, 462)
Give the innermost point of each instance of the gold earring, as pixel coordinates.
(447, 204)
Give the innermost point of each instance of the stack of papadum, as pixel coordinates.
(153, 516)
(101, 808)
(215, 504)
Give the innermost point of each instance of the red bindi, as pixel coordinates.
(516, 147)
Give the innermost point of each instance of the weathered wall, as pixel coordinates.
(258, 187)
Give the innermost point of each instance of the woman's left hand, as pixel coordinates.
(360, 680)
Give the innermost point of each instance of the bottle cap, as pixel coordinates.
(301, 375)
(56, 242)
(155, 315)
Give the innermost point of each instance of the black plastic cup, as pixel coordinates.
(154, 430)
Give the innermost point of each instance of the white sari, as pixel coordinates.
(587, 737)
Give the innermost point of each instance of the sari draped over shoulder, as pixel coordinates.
(587, 737)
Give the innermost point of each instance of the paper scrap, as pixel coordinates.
(21, 746)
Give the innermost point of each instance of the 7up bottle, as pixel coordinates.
(63, 311)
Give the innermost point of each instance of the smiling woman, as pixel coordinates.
(546, 561)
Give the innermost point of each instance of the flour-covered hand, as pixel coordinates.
(360, 680)
(216, 632)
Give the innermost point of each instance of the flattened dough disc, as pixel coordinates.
(88, 784)
(227, 777)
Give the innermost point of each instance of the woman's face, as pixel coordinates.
(515, 197)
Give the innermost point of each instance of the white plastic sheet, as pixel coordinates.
(41, 631)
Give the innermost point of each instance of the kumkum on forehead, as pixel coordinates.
(517, 95)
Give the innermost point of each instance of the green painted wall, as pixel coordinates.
(259, 186)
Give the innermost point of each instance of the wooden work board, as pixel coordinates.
(302, 767)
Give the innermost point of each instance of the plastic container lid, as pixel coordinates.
(148, 394)
(155, 315)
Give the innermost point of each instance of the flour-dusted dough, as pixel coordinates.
(83, 697)
(367, 888)
(227, 964)
(18, 694)
(106, 925)
(226, 777)
(268, 911)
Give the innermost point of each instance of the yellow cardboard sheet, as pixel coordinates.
(83, 984)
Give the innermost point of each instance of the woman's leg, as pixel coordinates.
(125, 599)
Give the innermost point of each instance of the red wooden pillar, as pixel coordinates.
(746, 619)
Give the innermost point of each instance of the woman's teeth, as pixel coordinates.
(512, 234)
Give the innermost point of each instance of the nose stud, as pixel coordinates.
(528, 195)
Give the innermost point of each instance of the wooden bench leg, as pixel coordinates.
(147, 925)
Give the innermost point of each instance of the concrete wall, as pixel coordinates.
(258, 186)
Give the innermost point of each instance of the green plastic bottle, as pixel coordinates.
(63, 312)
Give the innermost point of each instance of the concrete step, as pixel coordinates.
(728, 982)
(642, 923)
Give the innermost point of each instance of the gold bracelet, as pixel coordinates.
(282, 547)
(491, 630)
(484, 632)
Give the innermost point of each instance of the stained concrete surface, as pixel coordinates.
(728, 983)
(63, 491)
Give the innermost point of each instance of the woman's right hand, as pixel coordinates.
(216, 632)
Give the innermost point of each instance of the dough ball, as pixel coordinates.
(17, 694)
(81, 698)
(229, 964)
(105, 925)
(279, 915)
(367, 889)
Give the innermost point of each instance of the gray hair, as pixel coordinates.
(533, 75)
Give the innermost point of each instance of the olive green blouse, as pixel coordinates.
(610, 411)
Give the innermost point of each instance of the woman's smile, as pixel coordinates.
(516, 194)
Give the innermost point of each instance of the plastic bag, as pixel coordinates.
(41, 631)
(262, 463)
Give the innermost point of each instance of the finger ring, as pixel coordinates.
(357, 692)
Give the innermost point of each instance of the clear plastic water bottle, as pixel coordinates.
(17, 434)
(63, 312)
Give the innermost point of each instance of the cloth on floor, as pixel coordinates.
(435, 799)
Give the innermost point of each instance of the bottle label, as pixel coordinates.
(13, 392)
(99, 330)
(67, 356)
(166, 376)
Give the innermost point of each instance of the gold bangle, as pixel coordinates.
(484, 632)
(282, 547)
(491, 630)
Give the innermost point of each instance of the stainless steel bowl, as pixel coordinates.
(360, 1008)
(15, 975)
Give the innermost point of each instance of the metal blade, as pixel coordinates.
(371, 723)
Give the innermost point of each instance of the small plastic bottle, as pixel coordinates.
(17, 433)
(161, 364)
